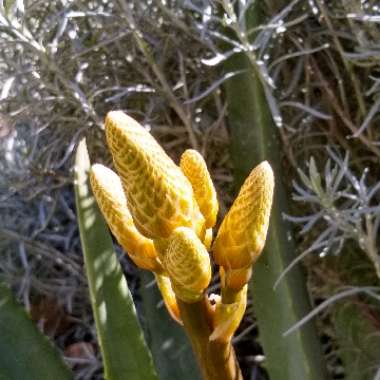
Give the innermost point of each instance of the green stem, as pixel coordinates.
(216, 359)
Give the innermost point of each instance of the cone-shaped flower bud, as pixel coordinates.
(160, 197)
(109, 194)
(195, 169)
(188, 265)
(242, 235)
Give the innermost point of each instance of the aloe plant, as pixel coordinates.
(24, 352)
(254, 137)
(163, 214)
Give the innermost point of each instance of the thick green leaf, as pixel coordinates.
(172, 353)
(254, 139)
(25, 354)
(125, 354)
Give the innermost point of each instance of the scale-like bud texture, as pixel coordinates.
(188, 265)
(195, 169)
(109, 194)
(160, 198)
(242, 234)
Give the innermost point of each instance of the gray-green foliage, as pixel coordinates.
(343, 206)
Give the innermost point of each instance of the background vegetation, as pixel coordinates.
(64, 64)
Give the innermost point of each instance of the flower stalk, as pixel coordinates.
(216, 358)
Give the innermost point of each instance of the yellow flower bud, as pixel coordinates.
(112, 202)
(160, 197)
(195, 169)
(188, 265)
(162, 244)
(242, 234)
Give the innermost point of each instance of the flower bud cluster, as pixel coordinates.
(163, 214)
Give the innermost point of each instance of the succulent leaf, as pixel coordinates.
(108, 191)
(242, 234)
(188, 265)
(160, 197)
(195, 169)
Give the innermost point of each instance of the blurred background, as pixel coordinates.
(176, 67)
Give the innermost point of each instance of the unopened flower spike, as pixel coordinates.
(195, 169)
(242, 234)
(112, 202)
(188, 265)
(160, 197)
